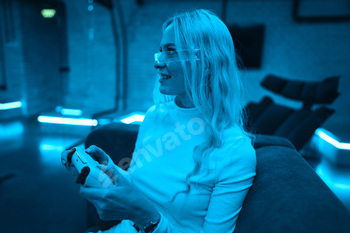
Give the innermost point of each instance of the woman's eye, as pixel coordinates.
(172, 52)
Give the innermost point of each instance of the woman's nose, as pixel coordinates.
(158, 64)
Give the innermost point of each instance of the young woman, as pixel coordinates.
(193, 162)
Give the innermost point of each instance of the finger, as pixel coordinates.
(116, 174)
(98, 154)
(111, 172)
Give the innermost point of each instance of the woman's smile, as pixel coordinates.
(163, 77)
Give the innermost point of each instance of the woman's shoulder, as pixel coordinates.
(237, 148)
(158, 113)
(158, 110)
(236, 137)
(151, 110)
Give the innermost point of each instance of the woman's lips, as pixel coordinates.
(161, 80)
(163, 77)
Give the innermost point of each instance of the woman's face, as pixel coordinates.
(170, 74)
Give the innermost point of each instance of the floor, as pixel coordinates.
(37, 194)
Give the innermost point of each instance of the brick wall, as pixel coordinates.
(302, 51)
(40, 47)
(92, 57)
(13, 64)
(31, 62)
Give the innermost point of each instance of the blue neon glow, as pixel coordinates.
(50, 153)
(327, 136)
(49, 147)
(135, 118)
(341, 186)
(69, 111)
(335, 181)
(11, 130)
(67, 121)
(10, 105)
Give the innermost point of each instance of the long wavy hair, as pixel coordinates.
(212, 82)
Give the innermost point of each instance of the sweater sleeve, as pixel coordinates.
(234, 180)
(230, 191)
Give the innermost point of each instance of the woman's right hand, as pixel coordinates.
(126, 226)
(99, 155)
(95, 152)
(106, 163)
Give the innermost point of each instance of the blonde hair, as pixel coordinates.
(213, 81)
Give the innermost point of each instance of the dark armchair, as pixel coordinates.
(297, 125)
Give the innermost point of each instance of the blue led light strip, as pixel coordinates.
(71, 112)
(133, 118)
(67, 121)
(11, 105)
(326, 136)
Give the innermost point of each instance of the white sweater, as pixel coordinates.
(163, 157)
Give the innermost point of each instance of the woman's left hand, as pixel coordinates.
(121, 201)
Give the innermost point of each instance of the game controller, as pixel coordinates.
(89, 173)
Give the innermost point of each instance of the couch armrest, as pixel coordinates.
(288, 196)
(268, 140)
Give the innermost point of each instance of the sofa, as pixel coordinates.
(297, 124)
(287, 195)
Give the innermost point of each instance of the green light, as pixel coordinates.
(48, 13)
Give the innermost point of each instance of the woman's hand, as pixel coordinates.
(106, 163)
(125, 226)
(99, 155)
(121, 201)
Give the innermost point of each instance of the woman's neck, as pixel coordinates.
(184, 102)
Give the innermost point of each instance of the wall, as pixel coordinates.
(13, 61)
(92, 57)
(31, 61)
(302, 51)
